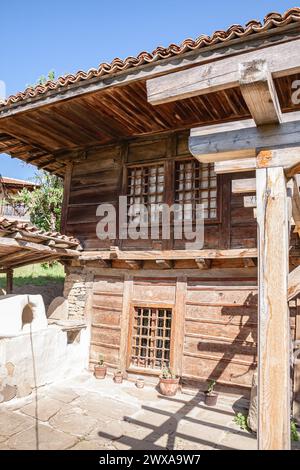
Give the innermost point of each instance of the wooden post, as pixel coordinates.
(274, 406)
(9, 281)
(66, 197)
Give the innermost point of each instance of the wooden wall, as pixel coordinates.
(100, 179)
(214, 330)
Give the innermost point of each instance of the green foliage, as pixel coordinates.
(101, 359)
(44, 79)
(167, 373)
(294, 432)
(211, 386)
(44, 203)
(36, 275)
(241, 420)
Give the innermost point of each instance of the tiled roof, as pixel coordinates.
(271, 21)
(14, 181)
(9, 226)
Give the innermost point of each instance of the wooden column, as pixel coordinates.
(9, 281)
(66, 197)
(274, 405)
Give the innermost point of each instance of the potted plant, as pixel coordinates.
(211, 396)
(118, 377)
(168, 382)
(140, 382)
(100, 369)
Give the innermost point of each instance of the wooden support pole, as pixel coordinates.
(274, 405)
(9, 281)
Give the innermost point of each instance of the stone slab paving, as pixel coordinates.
(88, 414)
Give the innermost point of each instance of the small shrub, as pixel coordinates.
(294, 432)
(241, 421)
(211, 386)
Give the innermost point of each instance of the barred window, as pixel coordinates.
(195, 183)
(146, 187)
(151, 338)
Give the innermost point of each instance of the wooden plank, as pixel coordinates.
(244, 186)
(178, 323)
(66, 197)
(274, 329)
(125, 320)
(245, 142)
(235, 166)
(259, 92)
(282, 59)
(171, 254)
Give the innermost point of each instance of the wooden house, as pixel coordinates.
(190, 123)
(9, 187)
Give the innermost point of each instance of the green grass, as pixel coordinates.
(36, 274)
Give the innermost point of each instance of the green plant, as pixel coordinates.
(294, 432)
(241, 421)
(166, 373)
(45, 202)
(211, 386)
(101, 360)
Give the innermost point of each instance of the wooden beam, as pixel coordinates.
(274, 404)
(9, 281)
(286, 158)
(243, 139)
(282, 59)
(203, 263)
(244, 186)
(235, 166)
(171, 254)
(66, 197)
(133, 264)
(38, 247)
(259, 92)
(164, 263)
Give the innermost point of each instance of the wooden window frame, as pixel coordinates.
(144, 304)
(217, 219)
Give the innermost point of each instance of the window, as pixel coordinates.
(145, 186)
(196, 183)
(151, 337)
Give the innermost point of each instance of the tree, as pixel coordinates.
(45, 202)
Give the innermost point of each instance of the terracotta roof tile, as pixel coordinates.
(12, 226)
(6, 180)
(271, 21)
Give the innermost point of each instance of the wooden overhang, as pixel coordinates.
(49, 125)
(22, 244)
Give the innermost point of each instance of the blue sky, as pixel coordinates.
(65, 36)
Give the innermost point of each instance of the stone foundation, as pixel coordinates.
(78, 282)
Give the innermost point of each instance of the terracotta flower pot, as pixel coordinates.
(168, 387)
(139, 383)
(118, 377)
(211, 399)
(100, 371)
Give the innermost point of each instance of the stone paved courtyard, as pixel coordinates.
(89, 414)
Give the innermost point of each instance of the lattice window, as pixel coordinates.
(195, 183)
(145, 186)
(151, 338)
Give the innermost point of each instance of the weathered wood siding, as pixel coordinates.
(101, 178)
(219, 323)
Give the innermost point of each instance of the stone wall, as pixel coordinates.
(78, 282)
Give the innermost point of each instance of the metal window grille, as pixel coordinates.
(195, 183)
(151, 338)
